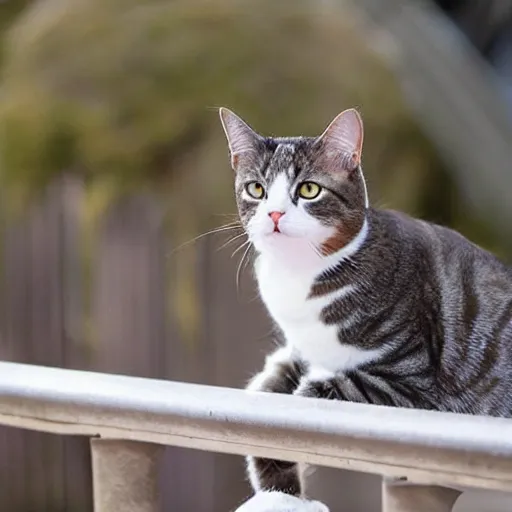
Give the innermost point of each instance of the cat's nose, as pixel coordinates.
(275, 216)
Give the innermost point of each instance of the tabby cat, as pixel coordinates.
(373, 306)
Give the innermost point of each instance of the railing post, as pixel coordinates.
(125, 476)
(399, 496)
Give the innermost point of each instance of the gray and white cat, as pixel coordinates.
(373, 306)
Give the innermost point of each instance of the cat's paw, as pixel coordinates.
(259, 382)
(273, 501)
(317, 389)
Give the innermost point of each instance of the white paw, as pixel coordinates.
(257, 383)
(266, 501)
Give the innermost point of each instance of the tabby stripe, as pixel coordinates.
(374, 322)
(357, 382)
(340, 197)
(503, 321)
(485, 365)
(404, 351)
(380, 391)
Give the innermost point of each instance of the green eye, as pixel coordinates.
(255, 189)
(309, 190)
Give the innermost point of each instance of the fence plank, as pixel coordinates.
(129, 289)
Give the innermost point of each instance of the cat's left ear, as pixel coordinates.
(344, 137)
(243, 141)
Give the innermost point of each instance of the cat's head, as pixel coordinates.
(304, 193)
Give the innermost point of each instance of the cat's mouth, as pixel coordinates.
(276, 232)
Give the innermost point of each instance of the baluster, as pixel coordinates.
(400, 496)
(125, 476)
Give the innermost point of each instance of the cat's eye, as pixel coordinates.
(255, 189)
(309, 190)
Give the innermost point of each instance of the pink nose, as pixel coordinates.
(275, 216)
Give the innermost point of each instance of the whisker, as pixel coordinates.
(240, 247)
(240, 267)
(221, 229)
(315, 249)
(232, 239)
(247, 260)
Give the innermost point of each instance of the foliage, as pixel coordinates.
(123, 90)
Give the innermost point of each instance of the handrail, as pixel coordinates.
(424, 446)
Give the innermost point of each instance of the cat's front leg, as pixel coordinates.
(281, 374)
(355, 386)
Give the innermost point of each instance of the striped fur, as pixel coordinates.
(397, 312)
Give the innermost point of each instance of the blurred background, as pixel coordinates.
(113, 163)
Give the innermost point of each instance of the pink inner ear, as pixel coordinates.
(356, 158)
(345, 135)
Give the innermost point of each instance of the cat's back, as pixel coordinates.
(442, 247)
(465, 288)
(475, 318)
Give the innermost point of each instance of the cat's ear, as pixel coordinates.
(344, 138)
(243, 141)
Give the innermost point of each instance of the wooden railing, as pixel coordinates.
(425, 457)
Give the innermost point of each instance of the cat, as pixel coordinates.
(372, 305)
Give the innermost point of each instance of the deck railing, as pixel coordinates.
(425, 457)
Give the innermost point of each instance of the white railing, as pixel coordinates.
(423, 455)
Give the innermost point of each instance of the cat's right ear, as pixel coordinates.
(344, 138)
(243, 141)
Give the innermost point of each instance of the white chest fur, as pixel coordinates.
(285, 293)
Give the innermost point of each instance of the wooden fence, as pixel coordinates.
(129, 330)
